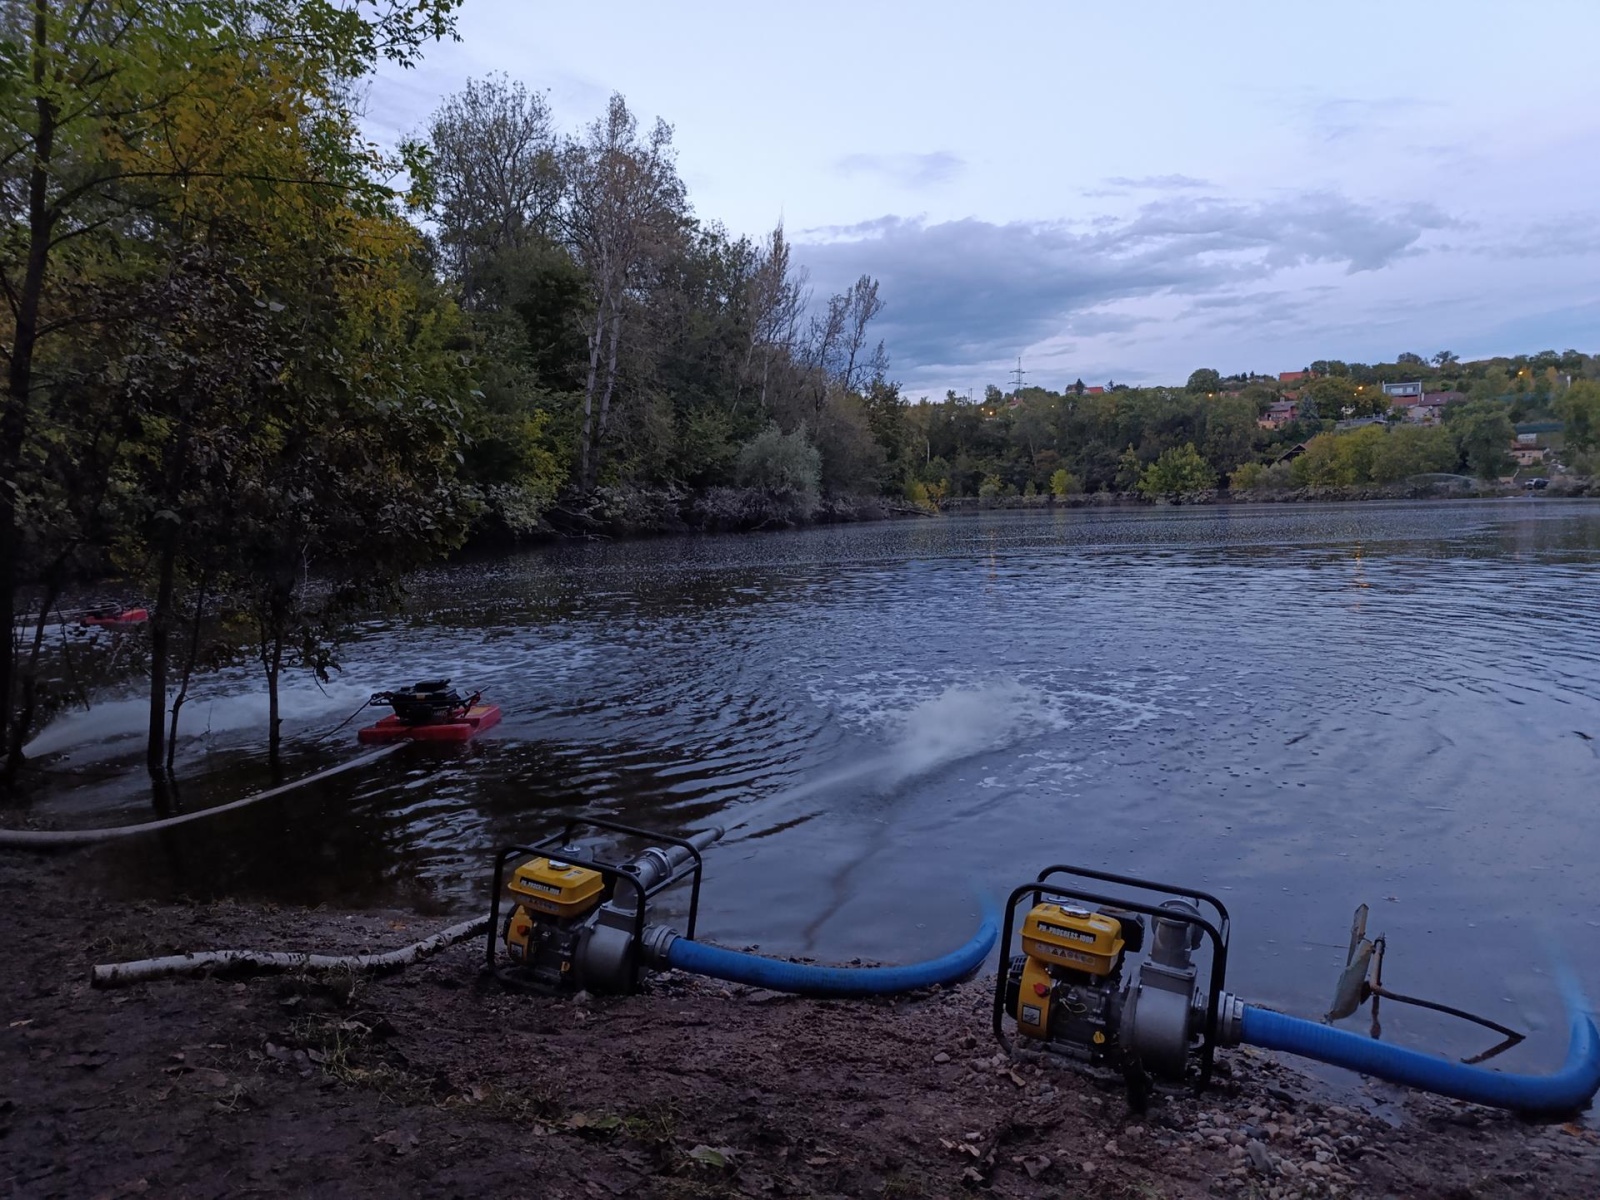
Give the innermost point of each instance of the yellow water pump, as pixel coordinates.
(1113, 979)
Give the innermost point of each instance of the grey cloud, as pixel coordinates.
(909, 170)
(1574, 234)
(972, 291)
(1158, 183)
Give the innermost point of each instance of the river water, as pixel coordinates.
(1300, 708)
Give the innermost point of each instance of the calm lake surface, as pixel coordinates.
(1300, 708)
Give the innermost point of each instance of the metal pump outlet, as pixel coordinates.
(1114, 979)
(577, 922)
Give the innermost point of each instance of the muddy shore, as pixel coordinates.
(435, 1082)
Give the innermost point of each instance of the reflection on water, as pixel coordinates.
(1299, 708)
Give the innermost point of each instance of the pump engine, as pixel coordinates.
(1113, 979)
(429, 702)
(579, 922)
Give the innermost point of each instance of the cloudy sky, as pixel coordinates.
(1114, 191)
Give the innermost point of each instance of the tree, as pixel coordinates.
(624, 212)
(1482, 433)
(135, 135)
(775, 298)
(783, 464)
(1408, 359)
(1579, 410)
(1230, 432)
(1178, 471)
(492, 178)
(1444, 359)
(1204, 380)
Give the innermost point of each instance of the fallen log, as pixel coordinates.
(249, 962)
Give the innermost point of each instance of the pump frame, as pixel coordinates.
(610, 872)
(1217, 933)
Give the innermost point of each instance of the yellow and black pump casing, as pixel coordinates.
(554, 888)
(1071, 955)
(1074, 938)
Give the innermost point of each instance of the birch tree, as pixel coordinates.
(625, 206)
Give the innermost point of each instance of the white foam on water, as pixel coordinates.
(926, 735)
(105, 729)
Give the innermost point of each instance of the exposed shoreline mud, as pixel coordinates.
(436, 1082)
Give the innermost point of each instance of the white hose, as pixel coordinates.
(41, 839)
(143, 970)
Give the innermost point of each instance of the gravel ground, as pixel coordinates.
(436, 1082)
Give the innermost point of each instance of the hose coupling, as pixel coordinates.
(654, 945)
(1230, 1019)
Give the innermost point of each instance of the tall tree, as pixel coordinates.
(493, 177)
(131, 131)
(625, 207)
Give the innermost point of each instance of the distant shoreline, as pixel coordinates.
(1569, 490)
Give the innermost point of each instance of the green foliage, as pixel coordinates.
(214, 308)
(1483, 433)
(781, 463)
(1579, 410)
(921, 495)
(1408, 450)
(1178, 470)
(1064, 483)
(1373, 455)
(1204, 380)
(1246, 476)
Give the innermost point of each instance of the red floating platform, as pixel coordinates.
(125, 619)
(466, 727)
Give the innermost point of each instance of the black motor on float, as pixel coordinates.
(430, 702)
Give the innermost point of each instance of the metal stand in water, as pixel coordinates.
(1081, 988)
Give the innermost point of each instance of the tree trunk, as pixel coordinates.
(19, 376)
(611, 383)
(272, 659)
(596, 340)
(29, 690)
(160, 625)
(188, 670)
(245, 962)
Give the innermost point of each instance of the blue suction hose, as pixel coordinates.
(752, 969)
(1568, 1089)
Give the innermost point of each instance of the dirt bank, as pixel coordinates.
(433, 1082)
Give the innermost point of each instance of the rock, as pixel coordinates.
(1259, 1158)
(941, 1058)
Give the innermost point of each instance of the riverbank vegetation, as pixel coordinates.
(257, 367)
(1327, 430)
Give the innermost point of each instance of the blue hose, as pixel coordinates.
(805, 980)
(1569, 1089)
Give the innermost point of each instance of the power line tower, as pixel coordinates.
(1016, 378)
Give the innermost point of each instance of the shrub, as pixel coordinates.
(1246, 476)
(1180, 469)
(1065, 483)
(781, 464)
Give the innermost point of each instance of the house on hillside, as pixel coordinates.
(1292, 453)
(1293, 376)
(1398, 391)
(1419, 407)
(1279, 414)
(1525, 455)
